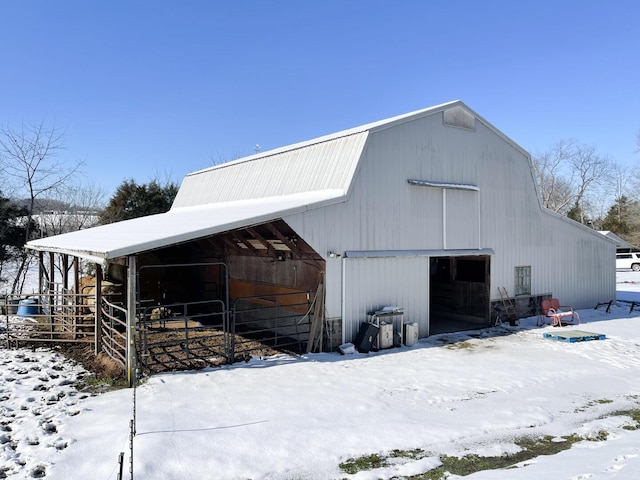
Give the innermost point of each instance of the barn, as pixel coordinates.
(433, 216)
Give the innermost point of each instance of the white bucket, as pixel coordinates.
(347, 348)
(410, 334)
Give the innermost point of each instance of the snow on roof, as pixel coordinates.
(620, 243)
(129, 237)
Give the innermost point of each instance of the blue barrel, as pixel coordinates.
(12, 306)
(27, 308)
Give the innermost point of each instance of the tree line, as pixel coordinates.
(575, 180)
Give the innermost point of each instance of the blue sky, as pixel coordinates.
(161, 88)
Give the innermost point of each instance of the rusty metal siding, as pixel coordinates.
(318, 166)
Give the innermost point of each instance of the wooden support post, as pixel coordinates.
(52, 271)
(40, 270)
(51, 300)
(75, 300)
(61, 309)
(65, 271)
(317, 322)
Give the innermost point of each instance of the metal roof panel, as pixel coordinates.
(318, 166)
(129, 237)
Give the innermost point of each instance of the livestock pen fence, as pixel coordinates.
(64, 316)
(166, 337)
(59, 315)
(206, 333)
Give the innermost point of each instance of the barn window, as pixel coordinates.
(459, 117)
(523, 281)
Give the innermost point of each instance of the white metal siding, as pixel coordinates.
(373, 283)
(462, 219)
(384, 212)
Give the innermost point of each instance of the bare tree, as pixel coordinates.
(220, 158)
(591, 171)
(620, 180)
(572, 178)
(549, 170)
(31, 169)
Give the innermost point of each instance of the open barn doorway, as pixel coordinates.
(459, 293)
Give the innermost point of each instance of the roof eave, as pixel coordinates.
(49, 244)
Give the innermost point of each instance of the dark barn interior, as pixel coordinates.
(459, 293)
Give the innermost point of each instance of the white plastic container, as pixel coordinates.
(347, 348)
(410, 334)
(385, 335)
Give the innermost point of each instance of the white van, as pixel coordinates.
(626, 261)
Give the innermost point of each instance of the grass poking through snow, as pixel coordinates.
(468, 464)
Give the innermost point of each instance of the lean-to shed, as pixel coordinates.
(435, 212)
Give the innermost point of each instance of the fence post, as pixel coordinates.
(51, 289)
(131, 317)
(76, 289)
(98, 314)
(120, 462)
(131, 435)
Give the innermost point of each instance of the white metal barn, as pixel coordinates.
(433, 211)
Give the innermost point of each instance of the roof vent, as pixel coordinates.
(459, 117)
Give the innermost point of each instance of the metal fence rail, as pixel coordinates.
(53, 317)
(168, 337)
(182, 335)
(113, 327)
(279, 321)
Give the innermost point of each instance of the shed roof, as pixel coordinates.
(620, 243)
(179, 225)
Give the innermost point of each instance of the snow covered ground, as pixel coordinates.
(298, 418)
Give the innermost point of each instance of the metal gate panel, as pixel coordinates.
(182, 335)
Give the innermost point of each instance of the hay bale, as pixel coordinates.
(87, 292)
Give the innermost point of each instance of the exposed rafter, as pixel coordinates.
(293, 247)
(260, 239)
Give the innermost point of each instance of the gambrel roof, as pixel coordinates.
(328, 162)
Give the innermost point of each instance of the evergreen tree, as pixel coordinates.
(132, 201)
(575, 213)
(618, 216)
(13, 232)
